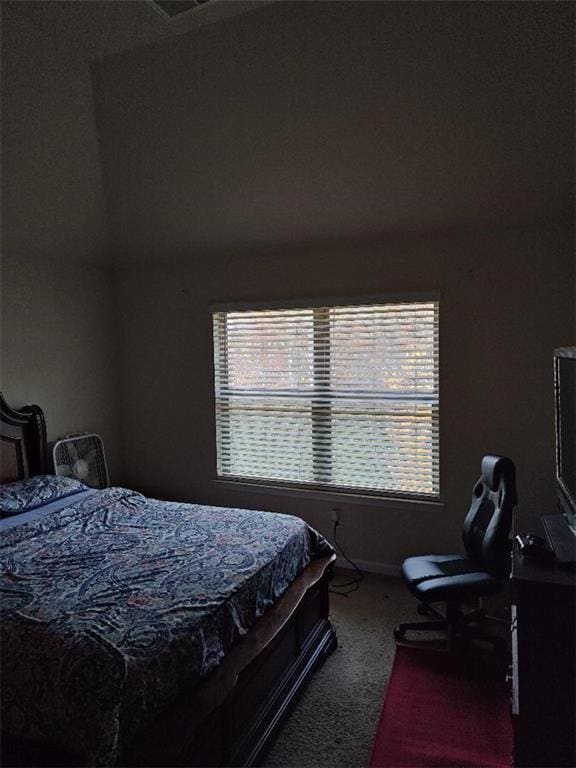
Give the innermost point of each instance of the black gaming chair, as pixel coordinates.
(457, 579)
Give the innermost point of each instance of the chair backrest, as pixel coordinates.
(487, 524)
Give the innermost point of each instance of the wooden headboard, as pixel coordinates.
(22, 442)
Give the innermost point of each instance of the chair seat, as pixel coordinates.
(436, 578)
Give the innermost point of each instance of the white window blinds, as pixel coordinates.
(332, 396)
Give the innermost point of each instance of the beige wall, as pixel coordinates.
(53, 203)
(506, 302)
(57, 327)
(58, 338)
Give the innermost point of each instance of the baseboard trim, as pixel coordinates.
(371, 566)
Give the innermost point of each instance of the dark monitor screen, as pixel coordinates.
(565, 370)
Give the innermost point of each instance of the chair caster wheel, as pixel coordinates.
(399, 633)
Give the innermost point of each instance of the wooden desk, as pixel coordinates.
(544, 655)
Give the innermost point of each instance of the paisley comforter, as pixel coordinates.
(115, 603)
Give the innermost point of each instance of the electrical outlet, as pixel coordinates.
(336, 516)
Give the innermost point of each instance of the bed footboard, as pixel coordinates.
(232, 718)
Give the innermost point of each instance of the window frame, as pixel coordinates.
(322, 490)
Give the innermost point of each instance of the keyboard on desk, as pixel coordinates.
(561, 538)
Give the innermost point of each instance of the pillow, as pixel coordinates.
(36, 491)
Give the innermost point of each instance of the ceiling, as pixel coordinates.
(302, 122)
(315, 120)
(110, 26)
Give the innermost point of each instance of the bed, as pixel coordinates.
(142, 632)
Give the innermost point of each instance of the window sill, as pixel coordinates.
(330, 497)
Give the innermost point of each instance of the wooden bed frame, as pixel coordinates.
(22, 442)
(231, 717)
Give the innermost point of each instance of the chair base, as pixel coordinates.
(456, 624)
(401, 629)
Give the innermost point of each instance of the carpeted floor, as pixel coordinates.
(334, 721)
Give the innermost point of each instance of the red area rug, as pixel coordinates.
(439, 712)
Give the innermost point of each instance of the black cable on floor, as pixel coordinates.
(347, 587)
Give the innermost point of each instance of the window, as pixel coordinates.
(331, 396)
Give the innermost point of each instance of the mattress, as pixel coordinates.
(114, 603)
